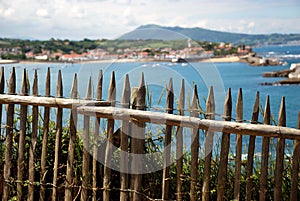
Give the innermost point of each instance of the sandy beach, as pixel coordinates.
(8, 61)
(223, 59)
(214, 60)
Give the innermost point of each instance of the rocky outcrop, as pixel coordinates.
(295, 71)
(254, 60)
(290, 81)
(281, 73)
(292, 74)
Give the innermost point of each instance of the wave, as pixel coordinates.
(280, 55)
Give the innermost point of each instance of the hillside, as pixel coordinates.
(174, 33)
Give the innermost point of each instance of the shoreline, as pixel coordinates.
(8, 61)
(230, 59)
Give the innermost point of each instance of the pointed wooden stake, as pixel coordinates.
(59, 115)
(210, 114)
(86, 148)
(59, 85)
(251, 148)
(238, 157)
(179, 143)
(2, 80)
(167, 144)
(2, 85)
(124, 163)
(9, 136)
(45, 138)
(137, 143)
(12, 82)
(33, 141)
(280, 154)
(21, 150)
(89, 90)
(112, 90)
(225, 144)
(109, 145)
(96, 140)
(74, 90)
(295, 168)
(265, 155)
(25, 87)
(71, 148)
(194, 147)
(210, 104)
(99, 86)
(35, 88)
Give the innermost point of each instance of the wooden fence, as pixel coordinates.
(25, 175)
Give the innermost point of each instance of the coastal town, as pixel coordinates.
(66, 53)
(180, 51)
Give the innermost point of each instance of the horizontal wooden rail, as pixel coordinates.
(186, 121)
(48, 101)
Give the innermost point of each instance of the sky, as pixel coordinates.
(109, 19)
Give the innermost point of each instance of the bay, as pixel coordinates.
(157, 74)
(204, 75)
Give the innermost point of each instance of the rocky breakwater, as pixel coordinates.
(254, 60)
(292, 75)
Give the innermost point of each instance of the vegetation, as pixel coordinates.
(17, 48)
(199, 34)
(53, 45)
(152, 182)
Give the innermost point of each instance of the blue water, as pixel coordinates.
(204, 75)
(219, 75)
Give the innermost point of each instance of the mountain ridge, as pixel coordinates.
(153, 31)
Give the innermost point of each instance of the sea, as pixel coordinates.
(220, 76)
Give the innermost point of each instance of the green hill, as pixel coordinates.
(156, 32)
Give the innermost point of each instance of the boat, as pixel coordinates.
(178, 60)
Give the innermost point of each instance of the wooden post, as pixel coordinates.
(179, 143)
(96, 138)
(21, 150)
(137, 143)
(110, 132)
(45, 139)
(2, 84)
(225, 144)
(86, 148)
(9, 137)
(210, 114)
(251, 148)
(71, 148)
(295, 168)
(265, 155)
(238, 155)
(194, 147)
(280, 154)
(167, 144)
(125, 128)
(59, 114)
(33, 140)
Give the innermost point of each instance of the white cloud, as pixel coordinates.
(42, 13)
(111, 18)
(201, 23)
(77, 12)
(251, 25)
(6, 12)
